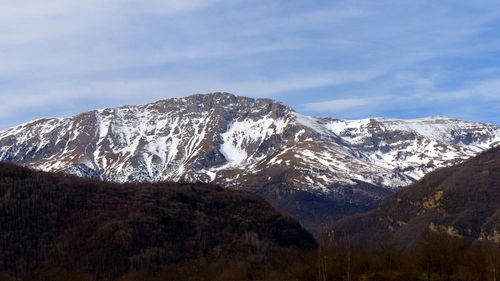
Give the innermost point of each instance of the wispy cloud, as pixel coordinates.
(463, 102)
(343, 57)
(484, 89)
(150, 89)
(339, 105)
(270, 87)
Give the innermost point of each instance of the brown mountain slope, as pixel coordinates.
(463, 200)
(54, 225)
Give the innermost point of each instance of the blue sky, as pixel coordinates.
(345, 59)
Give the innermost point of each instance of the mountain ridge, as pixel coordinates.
(246, 143)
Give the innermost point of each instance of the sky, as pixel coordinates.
(344, 59)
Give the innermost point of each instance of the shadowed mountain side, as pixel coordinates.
(53, 223)
(317, 212)
(462, 201)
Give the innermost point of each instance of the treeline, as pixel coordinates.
(438, 256)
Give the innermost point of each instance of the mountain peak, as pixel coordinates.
(219, 97)
(249, 143)
(211, 131)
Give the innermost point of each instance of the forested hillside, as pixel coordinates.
(57, 227)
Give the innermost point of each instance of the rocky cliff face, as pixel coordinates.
(247, 143)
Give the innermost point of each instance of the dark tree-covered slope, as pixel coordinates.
(463, 200)
(52, 223)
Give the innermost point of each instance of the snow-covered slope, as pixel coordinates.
(415, 147)
(241, 142)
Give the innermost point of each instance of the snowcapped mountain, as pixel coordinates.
(246, 143)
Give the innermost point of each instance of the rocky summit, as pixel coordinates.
(256, 144)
